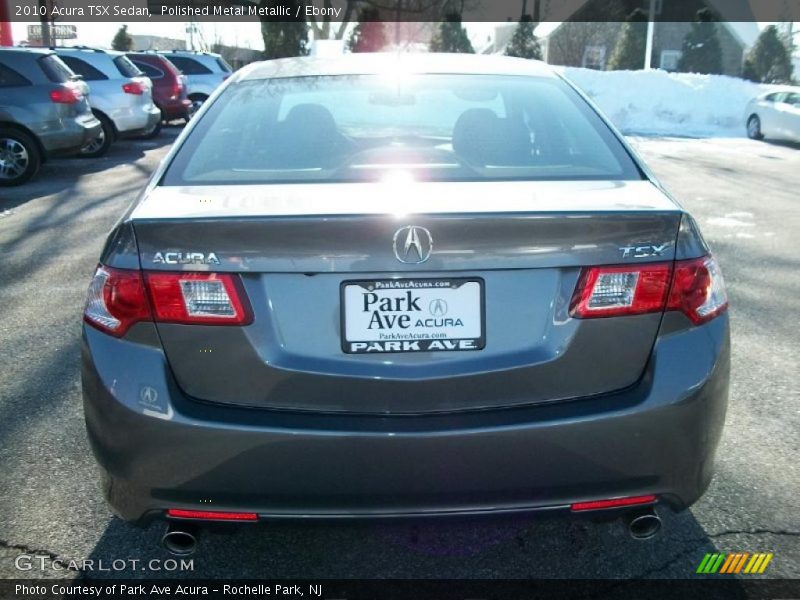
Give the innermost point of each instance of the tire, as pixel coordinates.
(197, 102)
(754, 128)
(153, 133)
(20, 157)
(99, 146)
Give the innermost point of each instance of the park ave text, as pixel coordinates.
(282, 590)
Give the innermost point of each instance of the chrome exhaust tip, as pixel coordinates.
(643, 524)
(179, 539)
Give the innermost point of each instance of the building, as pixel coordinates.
(580, 38)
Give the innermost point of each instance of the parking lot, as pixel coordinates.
(745, 197)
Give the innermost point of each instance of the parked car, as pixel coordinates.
(44, 112)
(386, 286)
(121, 96)
(774, 115)
(169, 85)
(205, 72)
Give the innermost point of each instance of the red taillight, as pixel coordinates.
(134, 87)
(623, 290)
(210, 298)
(211, 515)
(177, 90)
(118, 298)
(65, 95)
(613, 503)
(698, 289)
(694, 287)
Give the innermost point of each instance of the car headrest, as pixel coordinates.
(482, 138)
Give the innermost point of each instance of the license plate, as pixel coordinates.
(412, 315)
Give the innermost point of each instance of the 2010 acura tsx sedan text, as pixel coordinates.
(403, 285)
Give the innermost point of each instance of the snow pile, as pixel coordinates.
(660, 103)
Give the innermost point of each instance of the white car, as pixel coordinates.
(774, 115)
(121, 96)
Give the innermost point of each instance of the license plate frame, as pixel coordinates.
(428, 285)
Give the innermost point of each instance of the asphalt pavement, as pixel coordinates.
(746, 196)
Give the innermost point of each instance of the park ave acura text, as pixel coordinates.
(398, 285)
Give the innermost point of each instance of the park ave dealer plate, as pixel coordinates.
(412, 315)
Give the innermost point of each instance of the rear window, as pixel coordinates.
(223, 65)
(10, 78)
(429, 127)
(84, 69)
(149, 70)
(126, 67)
(189, 66)
(55, 69)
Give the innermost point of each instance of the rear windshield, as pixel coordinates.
(426, 127)
(55, 69)
(126, 67)
(224, 66)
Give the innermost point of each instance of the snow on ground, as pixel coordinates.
(660, 103)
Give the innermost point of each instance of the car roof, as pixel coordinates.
(393, 62)
(27, 50)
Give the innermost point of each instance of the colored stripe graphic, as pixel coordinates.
(734, 562)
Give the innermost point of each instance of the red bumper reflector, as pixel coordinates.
(613, 503)
(211, 515)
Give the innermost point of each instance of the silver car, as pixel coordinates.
(121, 96)
(775, 115)
(394, 286)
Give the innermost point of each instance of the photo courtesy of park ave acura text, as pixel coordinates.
(388, 299)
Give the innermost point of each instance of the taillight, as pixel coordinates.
(210, 298)
(698, 289)
(66, 95)
(134, 87)
(118, 298)
(177, 90)
(694, 287)
(615, 291)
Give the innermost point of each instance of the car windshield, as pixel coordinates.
(423, 127)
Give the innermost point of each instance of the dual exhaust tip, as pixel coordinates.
(180, 539)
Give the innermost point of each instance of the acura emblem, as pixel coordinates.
(412, 244)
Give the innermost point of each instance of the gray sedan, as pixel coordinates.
(397, 286)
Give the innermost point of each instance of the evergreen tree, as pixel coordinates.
(451, 36)
(769, 60)
(701, 51)
(283, 39)
(369, 34)
(628, 54)
(524, 43)
(122, 40)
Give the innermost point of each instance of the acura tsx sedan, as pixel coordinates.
(402, 286)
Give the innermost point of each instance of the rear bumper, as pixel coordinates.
(73, 135)
(136, 120)
(159, 449)
(175, 109)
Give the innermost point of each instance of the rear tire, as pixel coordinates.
(20, 158)
(99, 146)
(197, 103)
(754, 128)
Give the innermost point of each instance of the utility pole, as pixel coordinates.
(648, 50)
(44, 20)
